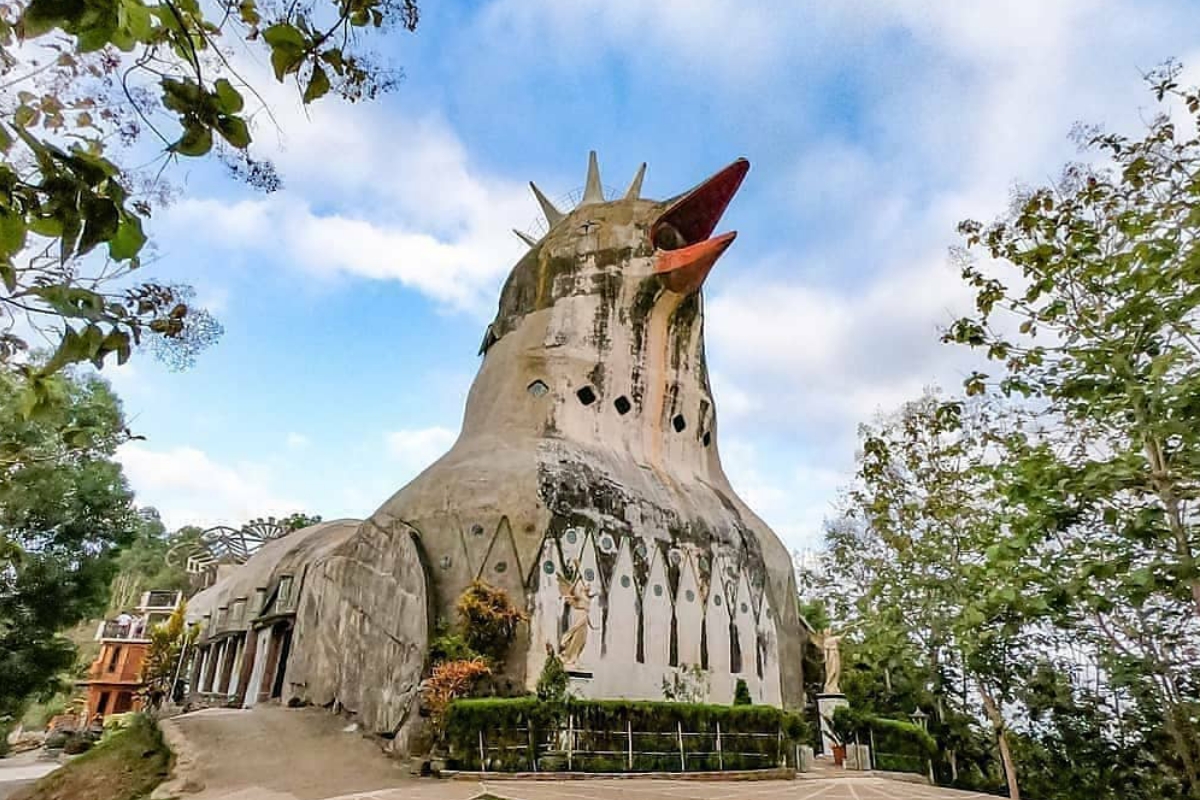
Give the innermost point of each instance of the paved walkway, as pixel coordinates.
(21, 770)
(308, 754)
(857, 788)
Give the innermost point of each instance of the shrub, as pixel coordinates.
(488, 619)
(552, 683)
(448, 646)
(450, 681)
(741, 694)
(899, 744)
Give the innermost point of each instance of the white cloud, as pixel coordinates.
(297, 441)
(189, 488)
(414, 450)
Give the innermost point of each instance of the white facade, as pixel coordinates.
(643, 631)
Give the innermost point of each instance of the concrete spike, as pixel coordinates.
(524, 237)
(553, 215)
(635, 188)
(592, 193)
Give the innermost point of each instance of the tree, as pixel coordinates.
(143, 565)
(85, 83)
(920, 517)
(63, 514)
(161, 667)
(1088, 301)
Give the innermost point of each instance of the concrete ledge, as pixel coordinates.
(776, 774)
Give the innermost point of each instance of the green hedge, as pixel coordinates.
(900, 746)
(519, 732)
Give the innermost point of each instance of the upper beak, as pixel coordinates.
(685, 253)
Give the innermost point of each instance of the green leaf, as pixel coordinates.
(285, 61)
(100, 222)
(196, 140)
(288, 46)
(12, 233)
(318, 84)
(128, 240)
(283, 35)
(26, 116)
(8, 275)
(235, 131)
(229, 99)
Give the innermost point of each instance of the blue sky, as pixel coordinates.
(354, 300)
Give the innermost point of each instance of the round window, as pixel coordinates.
(501, 566)
(548, 567)
(589, 574)
(690, 595)
(744, 608)
(477, 530)
(608, 544)
(658, 590)
(625, 581)
(572, 536)
(717, 600)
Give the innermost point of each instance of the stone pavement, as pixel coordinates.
(841, 788)
(272, 753)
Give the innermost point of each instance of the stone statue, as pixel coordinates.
(579, 597)
(831, 650)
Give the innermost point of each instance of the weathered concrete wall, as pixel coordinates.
(362, 629)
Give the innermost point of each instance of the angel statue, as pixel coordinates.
(830, 644)
(579, 597)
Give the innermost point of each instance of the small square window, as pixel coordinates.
(622, 405)
(679, 423)
(586, 395)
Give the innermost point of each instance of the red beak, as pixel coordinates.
(685, 253)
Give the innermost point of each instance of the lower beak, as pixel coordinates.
(683, 271)
(685, 253)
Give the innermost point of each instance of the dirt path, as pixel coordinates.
(273, 753)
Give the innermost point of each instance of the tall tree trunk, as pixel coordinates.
(1164, 486)
(997, 719)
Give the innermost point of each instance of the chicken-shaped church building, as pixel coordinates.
(586, 482)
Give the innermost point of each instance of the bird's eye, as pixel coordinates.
(668, 237)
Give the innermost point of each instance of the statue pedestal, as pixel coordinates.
(826, 705)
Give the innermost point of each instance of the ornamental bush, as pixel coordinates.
(487, 619)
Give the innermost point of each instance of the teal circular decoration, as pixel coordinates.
(548, 567)
(717, 600)
(501, 566)
(658, 590)
(690, 595)
(572, 536)
(744, 608)
(589, 574)
(625, 581)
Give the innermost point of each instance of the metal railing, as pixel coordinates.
(160, 599)
(134, 631)
(597, 750)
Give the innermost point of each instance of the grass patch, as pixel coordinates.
(127, 765)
